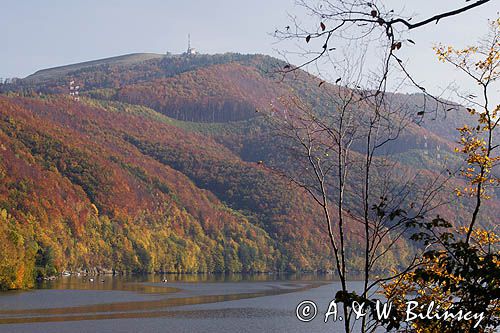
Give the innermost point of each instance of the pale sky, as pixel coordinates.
(40, 34)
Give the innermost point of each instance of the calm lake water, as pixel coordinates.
(186, 303)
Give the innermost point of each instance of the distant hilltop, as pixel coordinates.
(126, 59)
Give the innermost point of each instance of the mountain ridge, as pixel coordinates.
(164, 165)
(120, 59)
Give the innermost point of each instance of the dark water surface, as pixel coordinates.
(186, 303)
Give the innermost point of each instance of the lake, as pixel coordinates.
(185, 303)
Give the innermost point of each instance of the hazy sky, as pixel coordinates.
(39, 34)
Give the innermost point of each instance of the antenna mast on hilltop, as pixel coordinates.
(190, 50)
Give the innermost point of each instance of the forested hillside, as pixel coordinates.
(110, 189)
(164, 165)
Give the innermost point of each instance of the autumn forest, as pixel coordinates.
(165, 165)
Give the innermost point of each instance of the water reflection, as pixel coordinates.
(180, 290)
